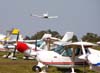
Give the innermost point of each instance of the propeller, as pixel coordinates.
(14, 52)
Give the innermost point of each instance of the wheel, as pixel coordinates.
(36, 68)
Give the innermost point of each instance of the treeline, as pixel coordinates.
(89, 37)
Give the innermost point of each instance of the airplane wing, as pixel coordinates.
(30, 41)
(53, 17)
(86, 44)
(55, 39)
(26, 41)
(36, 15)
(61, 43)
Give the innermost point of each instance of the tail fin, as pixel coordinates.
(13, 38)
(67, 36)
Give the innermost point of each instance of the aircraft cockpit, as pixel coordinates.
(69, 51)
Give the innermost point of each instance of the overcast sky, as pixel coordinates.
(79, 16)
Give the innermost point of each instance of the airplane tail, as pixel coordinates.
(13, 35)
(13, 38)
(68, 36)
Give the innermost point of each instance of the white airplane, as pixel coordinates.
(59, 56)
(45, 16)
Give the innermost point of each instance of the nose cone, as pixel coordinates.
(21, 47)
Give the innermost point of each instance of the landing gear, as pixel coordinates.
(73, 71)
(28, 58)
(36, 68)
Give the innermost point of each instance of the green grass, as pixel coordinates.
(25, 66)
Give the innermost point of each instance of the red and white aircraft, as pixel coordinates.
(10, 47)
(42, 44)
(31, 48)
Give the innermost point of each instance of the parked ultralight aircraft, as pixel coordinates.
(61, 56)
(30, 49)
(64, 57)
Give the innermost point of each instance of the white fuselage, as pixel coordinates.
(54, 59)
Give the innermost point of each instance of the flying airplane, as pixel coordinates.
(45, 16)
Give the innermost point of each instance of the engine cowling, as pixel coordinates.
(22, 47)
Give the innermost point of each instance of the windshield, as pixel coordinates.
(39, 43)
(68, 51)
(58, 49)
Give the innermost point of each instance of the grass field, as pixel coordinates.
(25, 66)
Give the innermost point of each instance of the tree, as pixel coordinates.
(27, 38)
(74, 39)
(39, 34)
(54, 33)
(91, 37)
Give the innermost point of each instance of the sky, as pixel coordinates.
(78, 16)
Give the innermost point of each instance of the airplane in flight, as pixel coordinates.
(45, 16)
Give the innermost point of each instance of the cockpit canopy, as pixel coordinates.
(66, 51)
